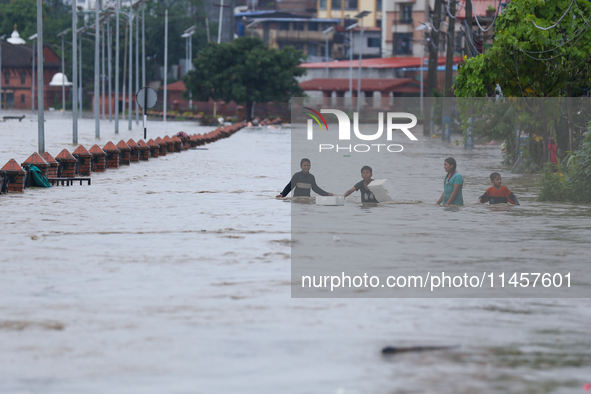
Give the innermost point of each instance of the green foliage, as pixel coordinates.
(554, 187)
(529, 62)
(245, 71)
(575, 186)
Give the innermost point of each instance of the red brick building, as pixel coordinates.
(16, 75)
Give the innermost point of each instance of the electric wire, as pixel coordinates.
(556, 24)
(494, 20)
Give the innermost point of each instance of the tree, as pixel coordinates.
(528, 61)
(245, 71)
(540, 50)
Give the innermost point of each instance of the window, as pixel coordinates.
(312, 49)
(322, 5)
(402, 43)
(379, 5)
(6, 78)
(283, 26)
(336, 4)
(406, 13)
(373, 42)
(22, 98)
(23, 78)
(351, 4)
(312, 26)
(298, 26)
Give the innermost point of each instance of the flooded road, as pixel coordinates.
(174, 276)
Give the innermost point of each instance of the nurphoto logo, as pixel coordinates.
(392, 124)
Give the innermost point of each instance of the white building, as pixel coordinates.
(90, 4)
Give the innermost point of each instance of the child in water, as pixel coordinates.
(366, 194)
(302, 182)
(497, 193)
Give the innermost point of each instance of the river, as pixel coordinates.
(174, 276)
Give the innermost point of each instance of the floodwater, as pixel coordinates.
(174, 276)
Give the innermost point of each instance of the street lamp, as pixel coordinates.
(188, 36)
(62, 34)
(33, 38)
(350, 30)
(325, 32)
(253, 24)
(15, 39)
(360, 16)
(2, 37)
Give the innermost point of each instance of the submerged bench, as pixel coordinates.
(67, 181)
(14, 117)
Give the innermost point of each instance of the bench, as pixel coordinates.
(14, 117)
(67, 181)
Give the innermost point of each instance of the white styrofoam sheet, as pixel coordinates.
(379, 187)
(330, 200)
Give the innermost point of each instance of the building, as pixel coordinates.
(347, 9)
(373, 71)
(90, 4)
(16, 71)
(303, 7)
(407, 26)
(281, 29)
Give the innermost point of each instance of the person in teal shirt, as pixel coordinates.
(452, 184)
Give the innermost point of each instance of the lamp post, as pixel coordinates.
(221, 20)
(33, 38)
(166, 62)
(129, 106)
(137, 68)
(15, 39)
(350, 30)
(117, 67)
(2, 37)
(97, 43)
(143, 45)
(325, 32)
(74, 74)
(188, 36)
(40, 102)
(62, 34)
(360, 16)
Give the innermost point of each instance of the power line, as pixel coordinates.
(494, 20)
(554, 25)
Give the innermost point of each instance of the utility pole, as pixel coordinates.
(449, 60)
(433, 55)
(469, 34)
